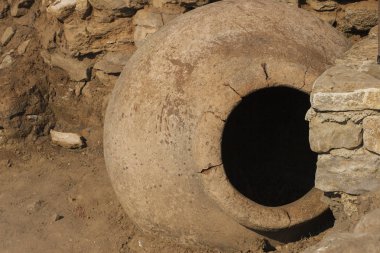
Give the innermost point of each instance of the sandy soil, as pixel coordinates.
(58, 200)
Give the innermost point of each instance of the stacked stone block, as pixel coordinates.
(345, 125)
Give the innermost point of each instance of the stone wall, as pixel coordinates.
(345, 122)
(345, 132)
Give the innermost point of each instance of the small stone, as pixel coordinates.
(371, 136)
(322, 5)
(324, 136)
(148, 18)
(113, 62)
(107, 80)
(61, 9)
(57, 217)
(22, 47)
(360, 16)
(7, 61)
(67, 140)
(7, 35)
(77, 70)
(35, 206)
(83, 8)
(356, 174)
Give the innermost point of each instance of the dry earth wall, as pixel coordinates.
(60, 59)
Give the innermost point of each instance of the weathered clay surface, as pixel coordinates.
(180, 86)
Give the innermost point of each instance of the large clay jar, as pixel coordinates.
(167, 115)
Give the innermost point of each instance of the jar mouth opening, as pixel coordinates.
(266, 178)
(265, 146)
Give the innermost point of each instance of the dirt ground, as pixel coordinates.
(58, 200)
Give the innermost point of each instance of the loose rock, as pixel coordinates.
(322, 5)
(7, 35)
(77, 70)
(61, 9)
(67, 140)
(113, 62)
(22, 47)
(57, 217)
(7, 61)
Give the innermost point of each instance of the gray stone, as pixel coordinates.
(341, 88)
(66, 140)
(371, 136)
(346, 101)
(113, 62)
(324, 136)
(355, 174)
(7, 35)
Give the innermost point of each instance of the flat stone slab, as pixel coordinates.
(324, 136)
(341, 88)
(353, 174)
